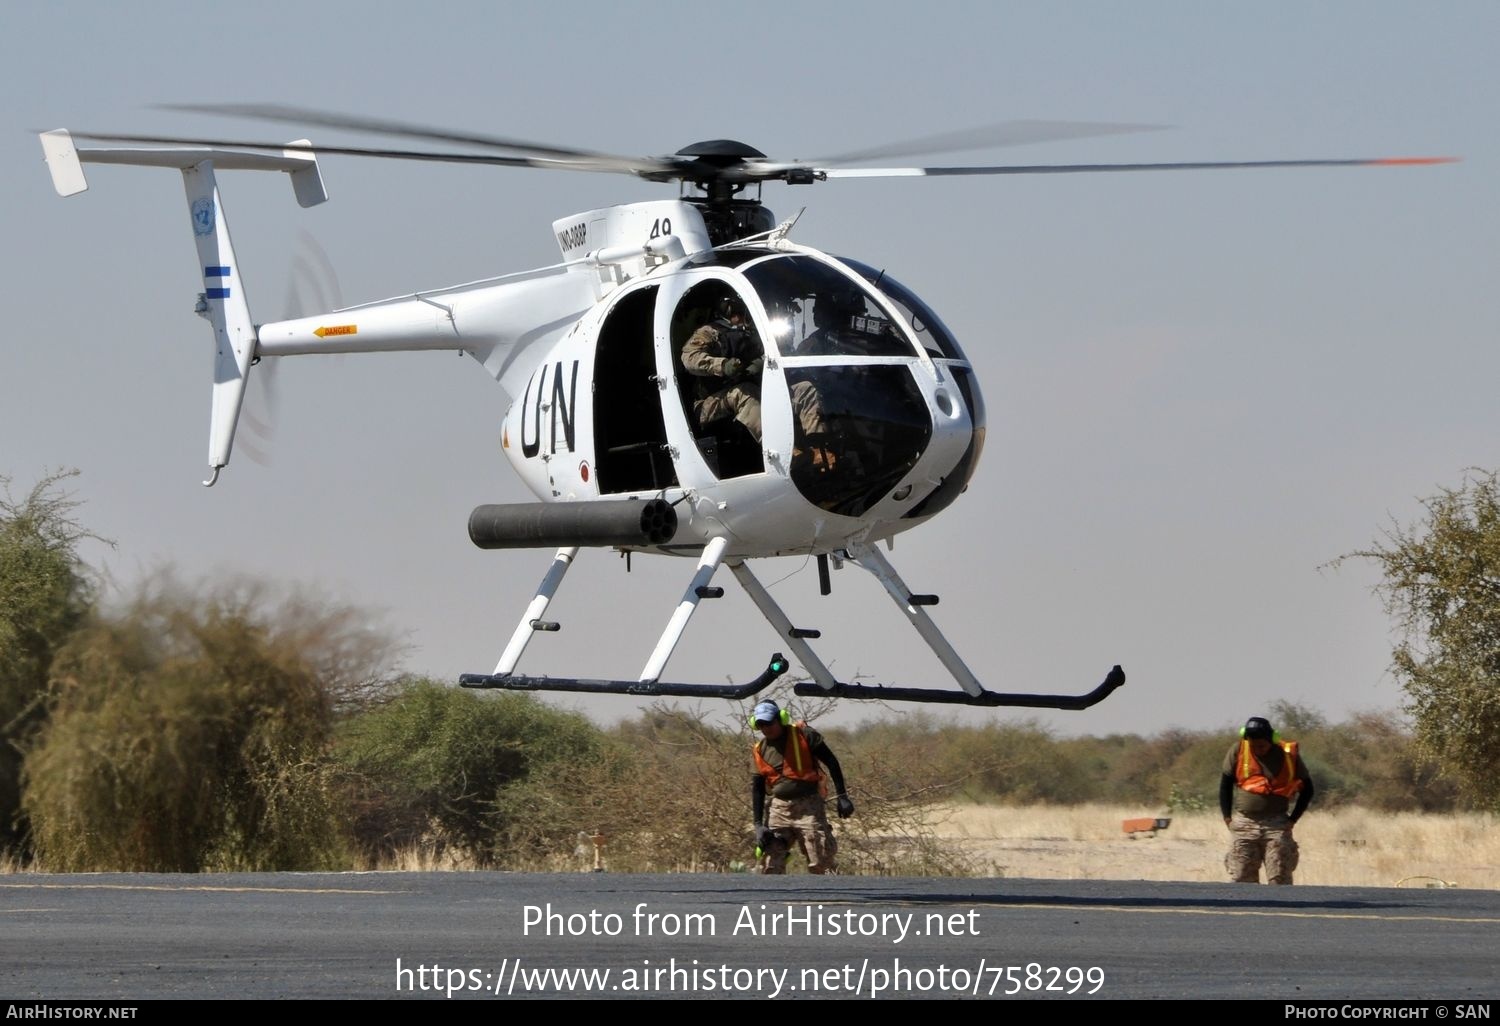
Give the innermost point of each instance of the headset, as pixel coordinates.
(784, 715)
(1275, 734)
(728, 306)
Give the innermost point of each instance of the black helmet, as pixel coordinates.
(836, 307)
(730, 306)
(849, 300)
(1257, 728)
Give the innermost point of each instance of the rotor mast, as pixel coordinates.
(717, 167)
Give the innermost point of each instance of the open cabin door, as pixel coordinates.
(630, 438)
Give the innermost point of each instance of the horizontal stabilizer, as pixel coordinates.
(65, 161)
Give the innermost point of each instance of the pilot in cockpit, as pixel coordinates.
(834, 317)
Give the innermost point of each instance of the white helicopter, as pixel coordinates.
(851, 415)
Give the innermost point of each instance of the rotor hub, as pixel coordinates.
(721, 152)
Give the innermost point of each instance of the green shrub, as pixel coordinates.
(188, 733)
(45, 593)
(435, 766)
(1382, 766)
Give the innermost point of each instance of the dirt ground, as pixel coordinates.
(1355, 848)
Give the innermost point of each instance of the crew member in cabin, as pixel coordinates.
(726, 358)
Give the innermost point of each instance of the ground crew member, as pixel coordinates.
(1264, 790)
(787, 760)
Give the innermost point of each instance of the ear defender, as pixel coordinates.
(785, 716)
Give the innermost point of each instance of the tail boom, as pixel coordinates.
(223, 297)
(507, 324)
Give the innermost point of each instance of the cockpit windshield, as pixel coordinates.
(933, 335)
(816, 311)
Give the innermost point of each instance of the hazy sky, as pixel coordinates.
(1201, 386)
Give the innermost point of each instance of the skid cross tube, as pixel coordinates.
(912, 605)
(778, 619)
(871, 559)
(708, 562)
(504, 678)
(536, 610)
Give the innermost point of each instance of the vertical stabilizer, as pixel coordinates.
(227, 310)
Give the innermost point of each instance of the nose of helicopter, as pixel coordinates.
(959, 422)
(877, 440)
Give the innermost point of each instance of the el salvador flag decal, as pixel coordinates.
(216, 291)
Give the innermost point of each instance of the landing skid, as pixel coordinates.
(880, 693)
(652, 688)
(823, 683)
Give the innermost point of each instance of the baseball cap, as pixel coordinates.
(768, 712)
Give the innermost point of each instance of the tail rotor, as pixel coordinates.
(312, 287)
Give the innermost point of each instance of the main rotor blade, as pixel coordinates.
(495, 159)
(1056, 169)
(283, 114)
(1003, 133)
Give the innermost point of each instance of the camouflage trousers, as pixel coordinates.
(744, 406)
(1254, 842)
(803, 822)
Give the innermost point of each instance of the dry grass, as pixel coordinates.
(422, 859)
(1341, 847)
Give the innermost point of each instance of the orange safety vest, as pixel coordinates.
(797, 764)
(1250, 775)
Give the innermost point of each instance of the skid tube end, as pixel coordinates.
(989, 699)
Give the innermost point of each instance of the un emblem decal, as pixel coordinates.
(203, 216)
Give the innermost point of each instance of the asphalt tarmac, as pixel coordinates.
(503, 936)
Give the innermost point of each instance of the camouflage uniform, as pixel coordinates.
(1253, 841)
(803, 822)
(1260, 825)
(704, 357)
